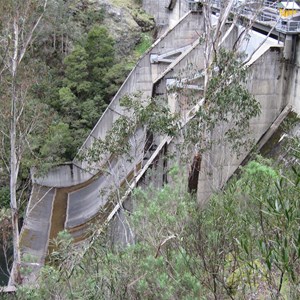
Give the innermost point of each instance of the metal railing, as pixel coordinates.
(287, 26)
(268, 3)
(267, 17)
(194, 5)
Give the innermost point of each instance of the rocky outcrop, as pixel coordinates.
(144, 20)
(125, 22)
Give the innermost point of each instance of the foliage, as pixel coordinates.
(91, 77)
(91, 16)
(244, 244)
(58, 135)
(4, 197)
(144, 44)
(154, 116)
(228, 106)
(5, 243)
(78, 71)
(144, 20)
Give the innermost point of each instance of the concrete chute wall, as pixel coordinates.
(34, 236)
(63, 176)
(85, 203)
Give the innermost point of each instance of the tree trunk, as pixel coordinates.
(13, 158)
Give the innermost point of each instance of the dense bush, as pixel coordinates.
(244, 244)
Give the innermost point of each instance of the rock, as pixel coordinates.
(145, 21)
(121, 25)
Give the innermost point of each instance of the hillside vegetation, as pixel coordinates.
(79, 59)
(244, 244)
(56, 79)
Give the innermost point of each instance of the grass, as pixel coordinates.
(126, 3)
(144, 44)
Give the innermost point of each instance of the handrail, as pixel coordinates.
(287, 26)
(269, 3)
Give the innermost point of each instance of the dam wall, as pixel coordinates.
(166, 12)
(174, 55)
(266, 82)
(77, 188)
(140, 79)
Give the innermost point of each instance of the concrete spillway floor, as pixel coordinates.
(36, 227)
(58, 216)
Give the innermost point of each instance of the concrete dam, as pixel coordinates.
(72, 196)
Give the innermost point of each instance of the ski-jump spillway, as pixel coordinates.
(72, 195)
(78, 184)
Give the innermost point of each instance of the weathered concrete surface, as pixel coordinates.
(85, 203)
(8, 289)
(63, 176)
(293, 76)
(34, 237)
(186, 33)
(163, 16)
(265, 81)
(120, 232)
(37, 223)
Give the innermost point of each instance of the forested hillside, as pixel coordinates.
(61, 62)
(67, 77)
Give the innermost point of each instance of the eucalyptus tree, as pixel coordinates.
(19, 21)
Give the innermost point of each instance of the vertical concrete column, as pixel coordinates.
(172, 96)
(288, 47)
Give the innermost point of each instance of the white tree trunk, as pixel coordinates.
(21, 38)
(13, 156)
